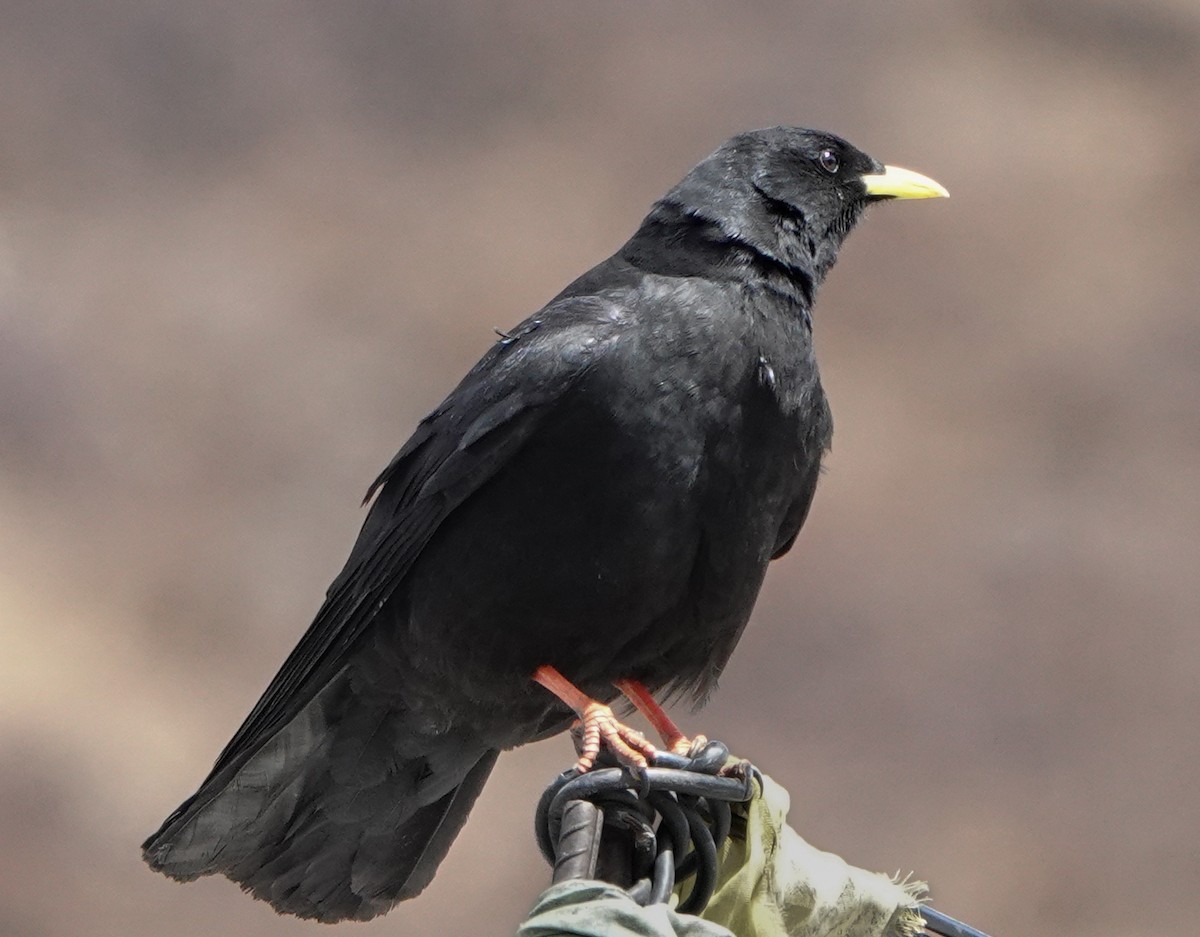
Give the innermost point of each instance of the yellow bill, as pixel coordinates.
(895, 182)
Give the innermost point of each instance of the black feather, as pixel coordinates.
(602, 493)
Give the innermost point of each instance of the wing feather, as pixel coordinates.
(454, 451)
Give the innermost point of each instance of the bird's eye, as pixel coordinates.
(829, 161)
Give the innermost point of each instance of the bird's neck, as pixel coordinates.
(675, 241)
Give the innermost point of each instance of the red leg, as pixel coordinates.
(599, 724)
(646, 704)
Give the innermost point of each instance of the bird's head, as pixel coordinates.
(790, 194)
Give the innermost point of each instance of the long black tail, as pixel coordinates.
(341, 814)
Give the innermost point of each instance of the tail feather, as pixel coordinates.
(341, 814)
(397, 866)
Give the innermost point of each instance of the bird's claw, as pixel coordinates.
(688, 748)
(598, 726)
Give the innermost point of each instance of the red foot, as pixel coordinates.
(682, 745)
(645, 703)
(600, 726)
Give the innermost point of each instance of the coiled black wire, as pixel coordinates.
(676, 814)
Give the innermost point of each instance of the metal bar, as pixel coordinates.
(947, 926)
(579, 841)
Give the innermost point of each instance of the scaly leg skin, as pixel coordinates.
(645, 703)
(600, 726)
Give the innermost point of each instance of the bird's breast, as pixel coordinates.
(629, 536)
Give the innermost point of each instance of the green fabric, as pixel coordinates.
(585, 908)
(773, 884)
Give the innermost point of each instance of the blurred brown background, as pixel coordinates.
(244, 247)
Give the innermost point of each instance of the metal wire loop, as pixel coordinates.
(676, 812)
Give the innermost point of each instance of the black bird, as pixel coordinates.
(594, 504)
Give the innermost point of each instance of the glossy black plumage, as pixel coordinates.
(602, 493)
